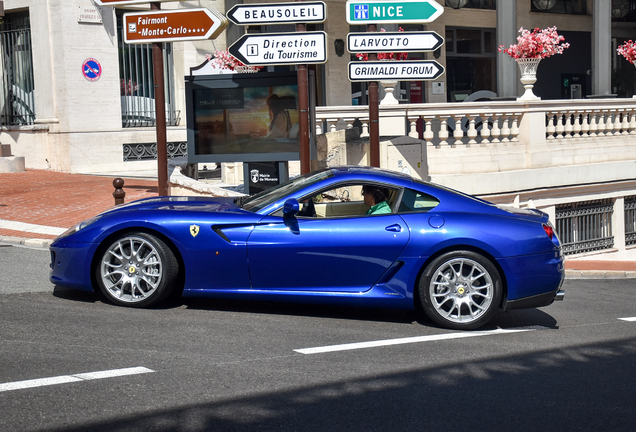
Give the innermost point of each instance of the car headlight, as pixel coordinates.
(78, 226)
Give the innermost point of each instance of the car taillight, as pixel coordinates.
(548, 230)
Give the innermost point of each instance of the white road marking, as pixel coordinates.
(19, 385)
(31, 228)
(628, 319)
(400, 341)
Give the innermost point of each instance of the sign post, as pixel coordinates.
(300, 48)
(157, 27)
(371, 13)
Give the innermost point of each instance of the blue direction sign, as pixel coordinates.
(414, 70)
(392, 11)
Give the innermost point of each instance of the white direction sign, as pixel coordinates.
(277, 13)
(394, 42)
(415, 70)
(281, 48)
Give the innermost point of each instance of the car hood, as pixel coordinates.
(194, 203)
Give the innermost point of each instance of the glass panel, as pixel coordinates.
(489, 42)
(449, 40)
(468, 41)
(137, 82)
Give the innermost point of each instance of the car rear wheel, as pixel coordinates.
(460, 290)
(137, 270)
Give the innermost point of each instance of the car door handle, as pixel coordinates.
(394, 228)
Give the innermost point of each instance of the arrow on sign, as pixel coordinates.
(259, 14)
(422, 70)
(173, 25)
(392, 42)
(281, 48)
(393, 11)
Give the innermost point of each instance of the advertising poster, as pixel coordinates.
(246, 120)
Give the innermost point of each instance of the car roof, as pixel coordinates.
(392, 175)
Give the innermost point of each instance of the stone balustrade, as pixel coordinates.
(464, 123)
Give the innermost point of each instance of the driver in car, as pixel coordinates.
(376, 199)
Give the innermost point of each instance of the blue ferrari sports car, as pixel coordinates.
(348, 235)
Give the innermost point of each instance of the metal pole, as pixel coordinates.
(160, 113)
(374, 114)
(303, 111)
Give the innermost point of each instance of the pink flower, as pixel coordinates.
(538, 44)
(225, 60)
(628, 50)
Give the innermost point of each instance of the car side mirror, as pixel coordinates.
(291, 207)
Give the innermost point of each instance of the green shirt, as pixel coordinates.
(381, 208)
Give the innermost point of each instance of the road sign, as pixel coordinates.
(91, 69)
(281, 48)
(415, 70)
(393, 42)
(392, 12)
(174, 25)
(123, 2)
(277, 13)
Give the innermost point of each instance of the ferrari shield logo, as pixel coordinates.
(194, 230)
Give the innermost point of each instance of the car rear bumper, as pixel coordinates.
(533, 280)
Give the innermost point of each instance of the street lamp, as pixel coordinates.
(620, 8)
(543, 5)
(456, 4)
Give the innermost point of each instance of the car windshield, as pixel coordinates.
(269, 196)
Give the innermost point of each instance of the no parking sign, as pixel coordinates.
(91, 69)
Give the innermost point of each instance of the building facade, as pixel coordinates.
(59, 116)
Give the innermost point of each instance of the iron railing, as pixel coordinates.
(17, 95)
(630, 220)
(585, 226)
(137, 83)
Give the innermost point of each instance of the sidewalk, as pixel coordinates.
(38, 205)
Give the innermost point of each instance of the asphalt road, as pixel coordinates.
(71, 362)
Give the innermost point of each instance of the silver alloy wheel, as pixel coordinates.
(131, 269)
(461, 290)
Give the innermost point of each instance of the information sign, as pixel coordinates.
(414, 70)
(394, 42)
(392, 12)
(277, 13)
(173, 25)
(281, 48)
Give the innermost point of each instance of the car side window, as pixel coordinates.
(414, 201)
(344, 201)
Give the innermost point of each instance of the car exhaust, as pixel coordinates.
(560, 295)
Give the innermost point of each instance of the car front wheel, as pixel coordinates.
(137, 270)
(460, 290)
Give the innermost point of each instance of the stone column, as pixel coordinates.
(507, 78)
(602, 47)
(42, 33)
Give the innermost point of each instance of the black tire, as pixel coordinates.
(136, 270)
(460, 290)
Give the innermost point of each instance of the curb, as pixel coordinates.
(599, 274)
(39, 243)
